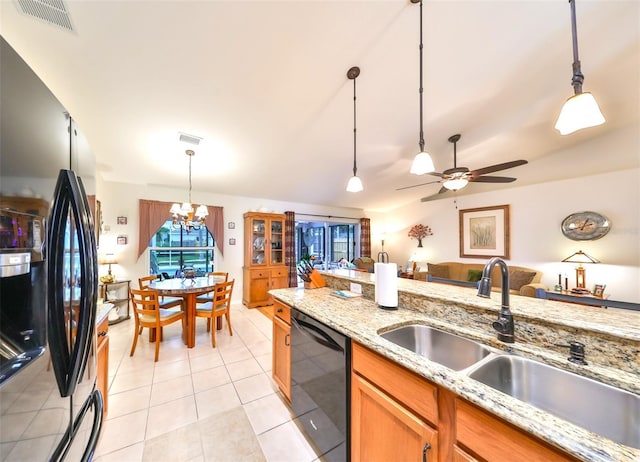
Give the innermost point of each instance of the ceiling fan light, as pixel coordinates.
(580, 111)
(354, 185)
(455, 183)
(422, 164)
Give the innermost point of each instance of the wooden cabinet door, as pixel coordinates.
(102, 360)
(383, 430)
(259, 287)
(281, 363)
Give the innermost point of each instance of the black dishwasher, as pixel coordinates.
(321, 385)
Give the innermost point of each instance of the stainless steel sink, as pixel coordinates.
(450, 350)
(605, 410)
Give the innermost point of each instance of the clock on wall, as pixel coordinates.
(585, 226)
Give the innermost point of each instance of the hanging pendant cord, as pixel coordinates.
(578, 77)
(354, 127)
(421, 142)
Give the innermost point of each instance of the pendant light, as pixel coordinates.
(422, 163)
(581, 110)
(355, 184)
(183, 215)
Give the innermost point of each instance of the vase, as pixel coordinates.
(419, 242)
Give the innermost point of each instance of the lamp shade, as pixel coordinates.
(354, 184)
(580, 111)
(580, 257)
(422, 164)
(109, 259)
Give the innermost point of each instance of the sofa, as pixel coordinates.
(364, 264)
(523, 281)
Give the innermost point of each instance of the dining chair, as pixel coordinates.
(219, 306)
(164, 302)
(147, 313)
(208, 296)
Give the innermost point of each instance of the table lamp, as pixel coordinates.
(109, 259)
(580, 257)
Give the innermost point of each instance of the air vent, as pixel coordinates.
(191, 139)
(51, 11)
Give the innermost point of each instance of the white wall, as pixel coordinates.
(536, 239)
(119, 199)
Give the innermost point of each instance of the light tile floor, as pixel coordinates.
(200, 404)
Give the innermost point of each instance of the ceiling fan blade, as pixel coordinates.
(416, 185)
(441, 175)
(497, 167)
(434, 196)
(492, 179)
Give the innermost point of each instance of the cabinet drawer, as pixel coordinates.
(282, 311)
(492, 439)
(260, 274)
(102, 330)
(279, 272)
(408, 388)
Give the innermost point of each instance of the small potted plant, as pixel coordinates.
(419, 232)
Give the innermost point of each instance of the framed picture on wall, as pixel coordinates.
(232, 241)
(231, 225)
(122, 240)
(122, 220)
(484, 232)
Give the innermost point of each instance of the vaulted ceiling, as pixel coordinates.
(264, 84)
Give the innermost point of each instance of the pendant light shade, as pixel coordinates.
(422, 163)
(355, 184)
(581, 110)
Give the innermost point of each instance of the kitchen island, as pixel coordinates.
(612, 339)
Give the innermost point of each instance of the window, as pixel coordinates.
(171, 249)
(327, 242)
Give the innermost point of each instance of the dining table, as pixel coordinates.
(188, 289)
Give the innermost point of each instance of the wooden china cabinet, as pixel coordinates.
(264, 268)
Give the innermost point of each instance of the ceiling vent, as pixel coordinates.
(53, 12)
(191, 139)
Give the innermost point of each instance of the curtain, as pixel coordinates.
(365, 237)
(153, 214)
(290, 247)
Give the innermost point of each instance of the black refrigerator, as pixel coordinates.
(50, 408)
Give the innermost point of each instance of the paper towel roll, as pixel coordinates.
(386, 287)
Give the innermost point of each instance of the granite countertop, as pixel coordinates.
(362, 320)
(102, 311)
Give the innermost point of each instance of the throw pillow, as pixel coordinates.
(474, 275)
(438, 271)
(518, 278)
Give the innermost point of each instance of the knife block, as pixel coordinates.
(316, 282)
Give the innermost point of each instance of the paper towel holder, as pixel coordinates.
(383, 257)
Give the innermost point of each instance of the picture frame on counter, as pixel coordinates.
(598, 290)
(484, 232)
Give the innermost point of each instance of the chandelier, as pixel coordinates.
(183, 215)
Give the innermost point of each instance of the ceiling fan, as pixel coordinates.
(457, 178)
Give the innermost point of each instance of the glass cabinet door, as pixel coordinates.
(277, 251)
(258, 238)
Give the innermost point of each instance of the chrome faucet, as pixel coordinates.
(505, 324)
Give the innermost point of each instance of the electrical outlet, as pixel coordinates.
(356, 288)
